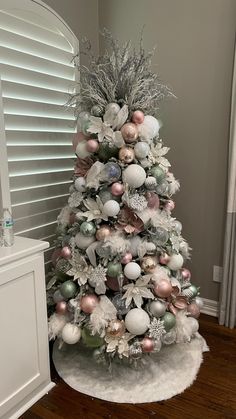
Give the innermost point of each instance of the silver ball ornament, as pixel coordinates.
(157, 308)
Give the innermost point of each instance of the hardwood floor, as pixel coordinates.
(212, 396)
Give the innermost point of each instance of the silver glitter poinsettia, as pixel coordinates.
(98, 278)
(79, 269)
(137, 291)
(102, 129)
(156, 329)
(137, 202)
(75, 199)
(119, 344)
(156, 155)
(95, 209)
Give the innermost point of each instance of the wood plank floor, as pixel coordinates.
(212, 396)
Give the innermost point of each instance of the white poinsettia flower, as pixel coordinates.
(137, 291)
(75, 199)
(95, 210)
(119, 343)
(156, 154)
(102, 129)
(80, 270)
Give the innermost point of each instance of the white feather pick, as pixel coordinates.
(103, 313)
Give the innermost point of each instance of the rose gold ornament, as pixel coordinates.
(66, 252)
(129, 132)
(169, 205)
(56, 255)
(153, 200)
(61, 307)
(147, 344)
(126, 258)
(92, 146)
(126, 154)
(162, 288)
(193, 310)
(138, 117)
(164, 259)
(149, 263)
(117, 189)
(88, 303)
(103, 232)
(116, 328)
(186, 274)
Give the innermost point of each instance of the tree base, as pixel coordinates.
(163, 375)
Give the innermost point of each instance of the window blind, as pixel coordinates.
(37, 73)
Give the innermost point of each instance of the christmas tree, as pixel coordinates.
(118, 284)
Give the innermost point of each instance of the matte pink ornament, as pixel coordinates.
(138, 117)
(117, 189)
(169, 205)
(88, 303)
(186, 274)
(129, 132)
(78, 137)
(92, 146)
(162, 288)
(126, 258)
(66, 252)
(193, 310)
(61, 307)
(153, 200)
(56, 255)
(164, 259)
(147, 344)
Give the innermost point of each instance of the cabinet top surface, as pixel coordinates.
(22, 247)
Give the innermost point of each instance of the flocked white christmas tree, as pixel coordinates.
(118, 282)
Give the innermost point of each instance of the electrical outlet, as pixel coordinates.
(217, 273)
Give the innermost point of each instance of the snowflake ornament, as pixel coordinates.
(98, 278)
(137, 202)
(156, 329)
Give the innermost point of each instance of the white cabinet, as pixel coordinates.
(24, 357)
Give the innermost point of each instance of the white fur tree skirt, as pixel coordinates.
(164, 374)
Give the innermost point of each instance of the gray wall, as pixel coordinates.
(195, 40)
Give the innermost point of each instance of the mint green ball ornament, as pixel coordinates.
(68, 289)
(92, 341)
(158, 173)
(114, 269)
(169, 321)
(88, 228)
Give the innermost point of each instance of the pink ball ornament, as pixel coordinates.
(66, 252)
(186, 274)
(138, 117)
(170, 205)
(61, 307)
(117, 189)
(56, 255)
(153, 200)
(147, 344)
(162, 288)
(193, 310)
(78, 137)
(92, 146)
(164, 259)
(129, 132)
(126, 258)
(88, 303)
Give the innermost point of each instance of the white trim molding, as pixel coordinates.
(210, 307)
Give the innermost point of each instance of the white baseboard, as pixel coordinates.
(210, 307)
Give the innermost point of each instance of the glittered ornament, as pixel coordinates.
(83, 242)
(111, 208)
(134, 175)
(152, 200)
(68, 289)
(61, 307)
(96, 110)
(88, 228)
(80, 184)
(164, 258)
(71, 333)
(137, 321)
(157, 345)
(149, 263)
(141, 150)
(193, 310)
(92, 146)
(57, 297)
(126, 155)
(137, 117)
(88, 303)
(176, 262)
(132, 270)
(157, 172)
(114, 269)
(120, 305)
(116, 328)
(113, 107)
(111, 172)
(135, 351)
(91, 341)
(190, 292)
(147, 344)
(117, 189)
(126, 258)
(81, 150)
(162, 288)
(157, 308)
(129, 132)
(149, 128)
(169, 321)
(169, 205)
(103, 232)
(150, 182)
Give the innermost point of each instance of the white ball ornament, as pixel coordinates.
(81, 150)
(137, 321)
(149, 129)
(141, 150)
(134, 175)
(80, 184)
(71, 333)
(132, 270)
(83, 242)
(111, 208)
(175, 262)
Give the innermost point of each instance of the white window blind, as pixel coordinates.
(37, 73)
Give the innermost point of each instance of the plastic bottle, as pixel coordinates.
(7, 228)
